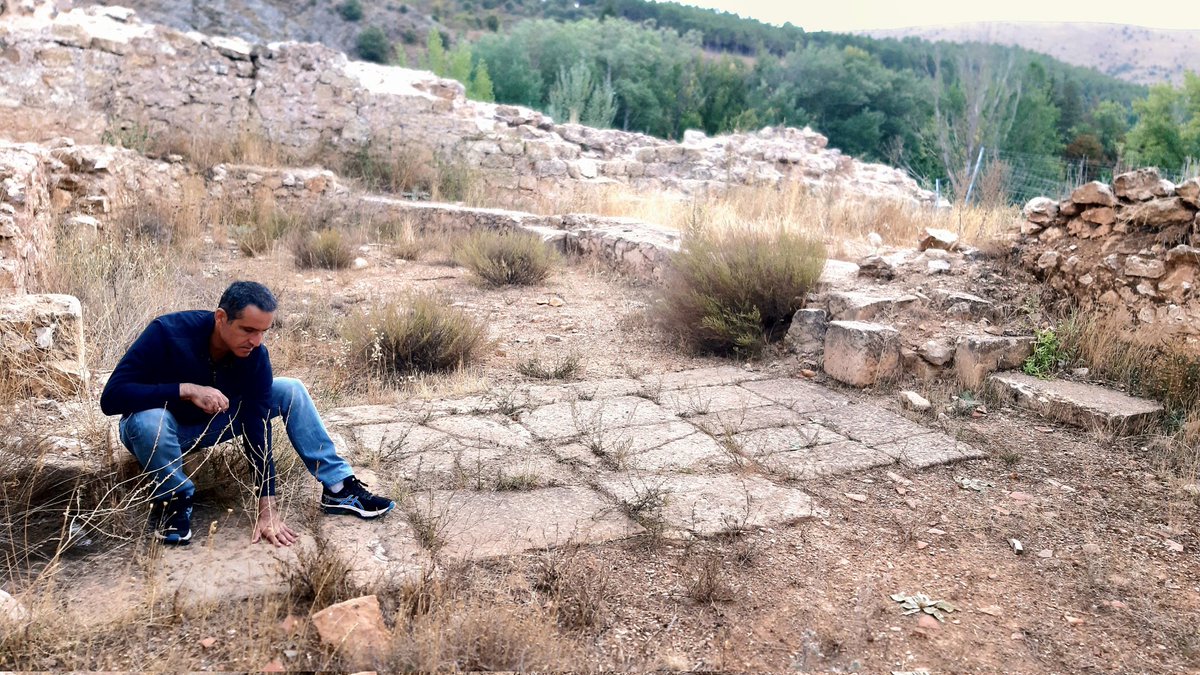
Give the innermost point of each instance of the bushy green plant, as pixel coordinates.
(731, 293)
(328, 249)
(373, 45)
(420, 336)
(351, 10)
(510, 258)
(1044, 361)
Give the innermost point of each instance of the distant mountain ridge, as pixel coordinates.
(1132, 53)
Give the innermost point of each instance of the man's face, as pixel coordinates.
(243, 334)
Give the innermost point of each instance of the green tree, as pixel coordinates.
(1157, 138)
(435, 59)
(458, 63)
(480, 87)
(373, 45)
(577, 98)
(351, 10)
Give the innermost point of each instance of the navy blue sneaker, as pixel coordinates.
(171, 520)
(355, 500)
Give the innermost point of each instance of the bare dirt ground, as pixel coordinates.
(1108, 580)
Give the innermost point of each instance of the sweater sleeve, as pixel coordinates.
(256, 427)
(131, 386)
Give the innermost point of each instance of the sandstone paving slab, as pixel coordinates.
(474, 525)
(607, 388)
(492, 430)
(702, 377)
(926, 450)
(370, 414)
(381, 553)
(870, 424)
(775, 440)
(402, 439)
(559, 421)
(693, 452)
(799, 395)
(694, 401)
(202, 572)
(708, 504)
(741, 420)
(1085, 405)
(830, 459)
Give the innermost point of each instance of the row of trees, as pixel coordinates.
(926, 107)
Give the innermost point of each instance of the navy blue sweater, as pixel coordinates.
(174, 349)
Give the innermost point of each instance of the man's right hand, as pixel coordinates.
(208, 399)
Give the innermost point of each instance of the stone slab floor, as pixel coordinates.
(686, 454)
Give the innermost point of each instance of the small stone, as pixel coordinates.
(856, 496)
(914, 401)
(1045, 553)
(927, 622)
(554, 338)
(938, 266)
(809, 373)
(991, 610)
(1173, 546)
(1073, 620)
(1021, 496)
(1091, 549)
(1117, 604)
(922, 544)
(1017, 546)
(361, 263)
(208, 642)
(937, 238)
(274, 666)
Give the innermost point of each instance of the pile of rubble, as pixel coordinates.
(1131, 248)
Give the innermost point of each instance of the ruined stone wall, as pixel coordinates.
(25, 224)
(98, 74)
(1132, 247)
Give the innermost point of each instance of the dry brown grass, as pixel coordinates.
(422, 335)
(832, 215)
(507, 258)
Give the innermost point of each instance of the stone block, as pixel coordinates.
(355, 630)
(1079, 404)
(1189, 191)
(1144, 267)
(806, 335)
(1159, 213)
(933, 237)
(1040, 210)
(858, 306)
(860, 353)
(42, 345)
(1094, 193)
(1140, 185)
(976, 356)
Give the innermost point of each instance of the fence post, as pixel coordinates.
(974, 175)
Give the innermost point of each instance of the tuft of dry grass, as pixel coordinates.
(705, 580)
(421, 336)
(510, 258)
(414, 172)
(578, 589)
(731, 292)
(326, 249)
(562, 369)
(321, 575)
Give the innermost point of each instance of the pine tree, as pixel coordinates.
(480, 87)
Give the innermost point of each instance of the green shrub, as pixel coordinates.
(328, 249)
(511, 258)
(423, 336)
(733, 292)
(565, 369)
(351, 10)
(373, 45)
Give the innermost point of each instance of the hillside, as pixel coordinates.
(1132, 53)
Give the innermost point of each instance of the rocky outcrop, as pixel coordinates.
(1130, 249)
(99, 74)
(42, 346)
(25, 224)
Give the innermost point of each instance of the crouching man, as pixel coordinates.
(194, 379)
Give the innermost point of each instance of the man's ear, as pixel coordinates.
(220, 315)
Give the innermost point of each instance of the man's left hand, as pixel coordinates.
(270, 526)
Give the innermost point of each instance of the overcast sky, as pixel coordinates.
(848, 15)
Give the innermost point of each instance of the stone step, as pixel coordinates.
(1083, 405)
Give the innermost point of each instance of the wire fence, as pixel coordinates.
(1011, 177)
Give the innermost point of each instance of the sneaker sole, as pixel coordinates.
(173, 540)
(345, 510)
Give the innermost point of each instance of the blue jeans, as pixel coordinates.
(159, 442)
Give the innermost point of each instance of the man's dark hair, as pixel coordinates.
(242, 294)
